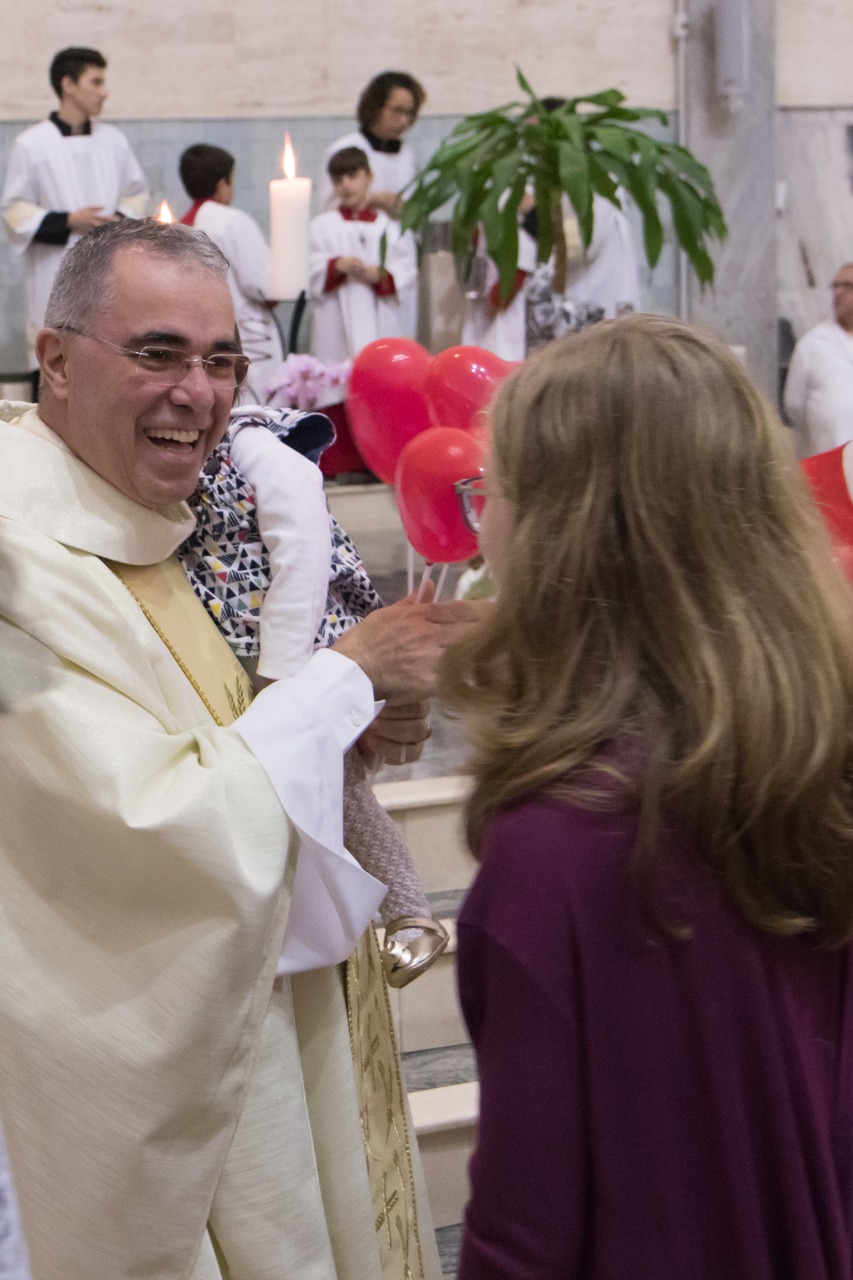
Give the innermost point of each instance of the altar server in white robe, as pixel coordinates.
(356, 300)
(67, 174)
(492, 322)
(208, 177)
(387, 109)
(605, 273)
(176, 1089)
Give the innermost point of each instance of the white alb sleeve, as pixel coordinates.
(298, 729)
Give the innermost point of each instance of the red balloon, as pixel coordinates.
(386, 401)
(460, 383)
(428, 468)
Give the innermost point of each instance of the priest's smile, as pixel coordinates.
(161, 437)
(154, 379)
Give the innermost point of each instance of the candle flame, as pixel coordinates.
(288, 159)
(164, 214)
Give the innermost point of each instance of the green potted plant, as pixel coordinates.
(588, 145)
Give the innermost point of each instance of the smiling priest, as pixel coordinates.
(177, 1033)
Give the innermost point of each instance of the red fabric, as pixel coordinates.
(495, 291)
(188, 220)
(361, 215)
(825, 474)
(385, 287)
(334, 278)
(342, 455)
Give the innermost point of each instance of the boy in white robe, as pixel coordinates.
(66, 175)
(208, 177)
(355, 299)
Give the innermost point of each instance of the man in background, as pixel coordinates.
(819, 388)
(66, 175)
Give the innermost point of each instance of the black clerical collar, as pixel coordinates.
(389, 145)
(66, 130)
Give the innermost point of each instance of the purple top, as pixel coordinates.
(650, 1107)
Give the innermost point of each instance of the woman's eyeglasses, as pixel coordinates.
(472, 498)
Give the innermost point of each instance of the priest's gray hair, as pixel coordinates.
(83, 285)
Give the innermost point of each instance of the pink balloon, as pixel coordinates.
(386, 401)
(460, 383)
(429, 508)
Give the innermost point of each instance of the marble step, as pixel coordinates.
(426, 1012)
(449, 1241)
(450, 1066)
(443, 1096)
(429, 812)
(363, 508)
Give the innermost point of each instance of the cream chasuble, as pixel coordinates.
(172, 1111)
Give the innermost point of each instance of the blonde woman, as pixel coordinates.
(654, 960)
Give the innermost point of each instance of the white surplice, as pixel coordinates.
(392, 171)
(159, 1087)
(605, 274)
(501, 330)
(51, 172)
(346, 318)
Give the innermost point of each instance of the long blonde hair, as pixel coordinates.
(667, 583)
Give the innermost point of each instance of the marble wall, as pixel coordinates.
(737, 145)
(198, 58)
(181, 58)
(814, 224)
(813, 43)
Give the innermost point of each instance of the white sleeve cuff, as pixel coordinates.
(298, 729)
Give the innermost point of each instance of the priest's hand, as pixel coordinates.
(399, 647)
(83, 220)
(397, 735)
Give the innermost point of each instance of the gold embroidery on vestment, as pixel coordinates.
(383, 1113)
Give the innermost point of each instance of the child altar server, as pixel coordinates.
(355, 299)
(208, 176)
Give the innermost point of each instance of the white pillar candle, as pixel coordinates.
(290, 211)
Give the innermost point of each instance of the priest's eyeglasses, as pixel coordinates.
(472, 498)
(169, 366)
